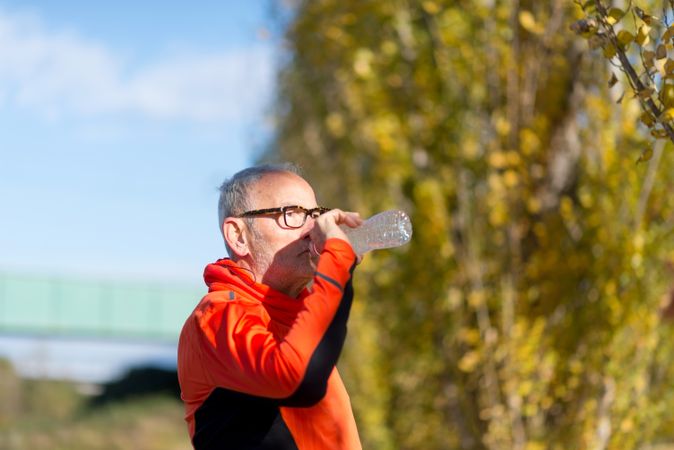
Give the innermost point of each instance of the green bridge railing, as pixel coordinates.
(98, 309)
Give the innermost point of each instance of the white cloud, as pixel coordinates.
(58, 73)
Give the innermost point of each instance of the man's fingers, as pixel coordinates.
(328, 226)
(351, 219)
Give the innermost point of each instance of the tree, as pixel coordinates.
(524, 314)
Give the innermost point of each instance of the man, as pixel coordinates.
(256, 358)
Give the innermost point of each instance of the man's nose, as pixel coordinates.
(308, 225)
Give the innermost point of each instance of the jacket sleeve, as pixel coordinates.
(249, 358)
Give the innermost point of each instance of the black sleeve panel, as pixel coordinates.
(237, 421)
(315, 382)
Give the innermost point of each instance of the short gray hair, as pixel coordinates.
(234, 191)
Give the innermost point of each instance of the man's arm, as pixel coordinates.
(247, 357)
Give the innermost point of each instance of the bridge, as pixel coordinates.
(88, 329)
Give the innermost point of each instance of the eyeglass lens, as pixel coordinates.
(295, 217)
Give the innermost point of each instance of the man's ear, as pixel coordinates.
(236, 239)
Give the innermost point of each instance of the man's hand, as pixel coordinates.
(327, 226)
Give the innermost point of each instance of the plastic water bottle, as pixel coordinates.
(387, 229)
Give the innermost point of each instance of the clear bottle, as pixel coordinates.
(387, 229)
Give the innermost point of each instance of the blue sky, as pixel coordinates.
(118, 120)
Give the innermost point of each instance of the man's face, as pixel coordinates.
(281, 255)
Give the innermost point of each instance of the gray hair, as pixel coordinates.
(234, 191)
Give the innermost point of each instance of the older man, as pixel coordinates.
(256, 358)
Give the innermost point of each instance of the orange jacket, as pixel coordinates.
(257, 368)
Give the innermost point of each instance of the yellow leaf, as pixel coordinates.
(645, 93)
(469, 361)
(643, 15)
(528, 22)
(430, 7)
(659, 133)
(335, 124)
(645, 155)
(669, 66)
(609, 51)
(614, 15)
(627, 425)
(335, 33)
(589, 7)
(666, 95)
(667, 35)
(470, 336)
(625, 37)
(659, 65)
(362, 64)
(476, 298)
(502, 125)
(510, 178)
(647, 119)
(667, 115)
(498, 215)
(533, 205)
(497, 160)
(661, 52)
(643, 38)
(648, 57)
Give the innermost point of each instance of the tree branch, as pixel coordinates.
(629, 70)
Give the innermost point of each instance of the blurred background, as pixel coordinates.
(118, 122)
(532, 309)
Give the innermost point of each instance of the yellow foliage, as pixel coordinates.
(510, 178)
(469, 361)
(498, 160)
(643, 36)
(430, 7)
(335, 124)
(362, 63)
(614, 15)
(530, 282)
(529, 23)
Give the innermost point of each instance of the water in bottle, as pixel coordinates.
(387, 229)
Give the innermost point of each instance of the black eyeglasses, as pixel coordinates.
(293, 216)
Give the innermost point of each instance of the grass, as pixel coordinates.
(54, 415)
